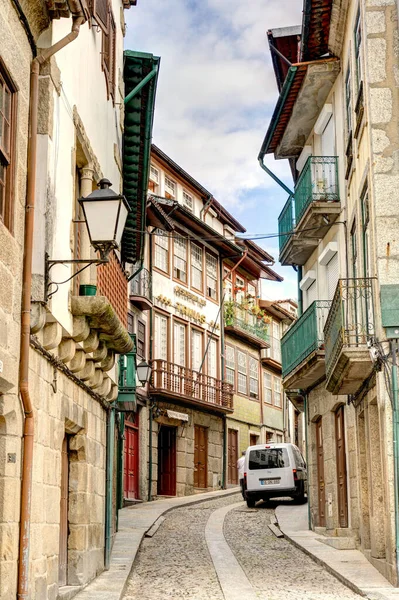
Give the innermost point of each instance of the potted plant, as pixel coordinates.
(229, 312)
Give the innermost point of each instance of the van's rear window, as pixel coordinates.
(271, 458)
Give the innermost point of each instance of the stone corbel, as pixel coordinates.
(100, 354)
(37, 317)
(52, 335)
(113, 394)
(105, 388)
(66, 350)
(78, 362)
(97, 379)
(91, 343)
(88, 371)
(108, 362)
(101, 315)
(81, 328)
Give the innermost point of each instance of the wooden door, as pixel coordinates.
(232, 453)
(63, 555)
(253, 439)
(341, 468)
(131, 460)
(320, 475)
(200, 457)
(167, 461)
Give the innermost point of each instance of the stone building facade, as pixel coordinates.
(336, 123)
(68, 510)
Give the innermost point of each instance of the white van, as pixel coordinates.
(274, 470)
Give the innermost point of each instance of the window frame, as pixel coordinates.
(358, 53)
(141, 340)
(197, 331)
(277, 380)
(168, 195)
(230, 368)
(242, 372)
(180, 323)
(8, 159)
(108, 54)
(216, 258)
(253, 395)
(162, 315)
(266, 373)
(94, 11)
(177, 238)
(188, 206)
(201, 291)
(155, 235)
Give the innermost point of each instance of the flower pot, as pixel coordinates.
(87, 290)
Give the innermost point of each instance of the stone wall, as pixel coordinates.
(185, 450)
(16, 55)
(72, 411)
(323, 404)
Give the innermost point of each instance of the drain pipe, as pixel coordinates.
(150, 405)
(109, 485)
(223, 359)
(395, 423)
(273, 176)
(27, 441)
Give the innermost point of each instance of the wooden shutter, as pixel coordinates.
(100, 10)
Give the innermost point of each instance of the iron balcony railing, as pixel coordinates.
(286, 223)
(350, 323)
(318, 182)
(305, 336)
(182, 381)
(242, 318)
(141, 285)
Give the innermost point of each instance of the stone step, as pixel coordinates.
(339, 543)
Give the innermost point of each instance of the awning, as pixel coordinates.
(139, 115)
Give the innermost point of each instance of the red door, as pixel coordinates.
(131, 459)
(320, 474)
(341, 467)
(167, 461)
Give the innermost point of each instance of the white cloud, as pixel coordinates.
(216, 87)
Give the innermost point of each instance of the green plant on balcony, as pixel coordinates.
(229, 312)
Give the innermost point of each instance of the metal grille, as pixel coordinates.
(350, 322)
(286, 223)
(141, 284)
(318, 183)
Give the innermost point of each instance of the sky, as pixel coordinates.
(216, 93)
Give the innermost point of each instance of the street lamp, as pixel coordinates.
(143, 372)
(105, 213)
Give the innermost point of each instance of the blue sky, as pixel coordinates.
(216, 93)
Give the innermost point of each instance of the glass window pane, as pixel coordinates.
(272, 458)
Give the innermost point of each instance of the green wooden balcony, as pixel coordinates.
(286, 223)
(318, 182)
(242, 322)
(314, 209)
(302, 348)
(349, 326)
(127, 380)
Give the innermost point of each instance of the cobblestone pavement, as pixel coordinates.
(277, 569)
(176, 563)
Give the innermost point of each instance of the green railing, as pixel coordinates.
(350, 323)
(242, 318)
(127, 377)
(286, 223)
(318, 182)
(304, 336)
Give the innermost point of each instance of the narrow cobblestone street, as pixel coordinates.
(177, 563)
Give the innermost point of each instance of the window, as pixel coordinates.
(277, 393)
(140, 339)
(276, 344)
(230, 364)
(7, 135)
(267, 388)
(269, 436)
(358, 51)
(179, 344)
(101, 11)
(228, 285)
(348, 101)
(130, 322)
(242, 373)
(240, 288)
(332, 275)
(161, 251)
(161, 337)
(170, 188)
(354, 250)
(366, 235)
(211, 276)
(279, 438)
(253, 377)
(196, 267)
(153, 183)
(180, 259)
(251, 293)
(196, 349)
(270, 458)
(188, 201)
(212, 359)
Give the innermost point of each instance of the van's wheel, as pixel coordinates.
(251, 503)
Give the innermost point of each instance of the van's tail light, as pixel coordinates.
(245, 480)
(295, 474)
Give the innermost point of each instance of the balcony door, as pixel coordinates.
(232, 451)
(196, 360)
(327, 177)
(200, 457)
(179, 357)
(167, 461)
(332, 273)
